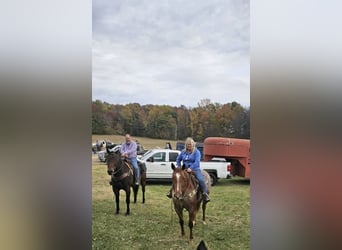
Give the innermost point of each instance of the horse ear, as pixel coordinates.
(183, 167)
(173, 166)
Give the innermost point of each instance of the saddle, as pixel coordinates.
(129, 164)
(195, 181)
(141, 165)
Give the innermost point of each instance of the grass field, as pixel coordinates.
(154, 225)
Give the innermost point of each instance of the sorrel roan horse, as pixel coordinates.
(186, 195)
(122, 177)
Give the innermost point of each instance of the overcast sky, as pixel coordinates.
(171, 52)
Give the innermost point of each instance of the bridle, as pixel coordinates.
(117, 170)
(184, 195)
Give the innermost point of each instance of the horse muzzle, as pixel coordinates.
(110, 172)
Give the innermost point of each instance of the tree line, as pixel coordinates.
(169, 122)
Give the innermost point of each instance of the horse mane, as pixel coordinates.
(191, 175)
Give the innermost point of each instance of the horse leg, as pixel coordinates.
(135, 192)
(181, 220)
(128, 197)
(192, 217)
(143, 184)
(143, 192)
(142, 168)
(117, 199)
(204, 205)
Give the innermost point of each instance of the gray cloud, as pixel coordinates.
(171, 52)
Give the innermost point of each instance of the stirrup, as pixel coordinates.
(206, 197)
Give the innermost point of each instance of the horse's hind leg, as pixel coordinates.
(204, 205)
(143, 184)
(135, 192)
(143, 193)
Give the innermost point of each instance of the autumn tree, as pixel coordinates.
(167, 122)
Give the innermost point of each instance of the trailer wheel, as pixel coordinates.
(213, 179)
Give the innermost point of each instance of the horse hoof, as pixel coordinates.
(204, 223)
(126, 214)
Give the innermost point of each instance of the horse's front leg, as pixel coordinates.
(128, 197)
(179, 211)
(192, 217)
(117, 199)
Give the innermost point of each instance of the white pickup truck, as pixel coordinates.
(158, 165)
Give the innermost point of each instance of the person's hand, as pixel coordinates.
(188, 170)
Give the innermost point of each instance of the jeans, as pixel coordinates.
(136, 168)
(200, 178)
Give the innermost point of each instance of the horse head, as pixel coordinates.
(113, 162)
(180, 181)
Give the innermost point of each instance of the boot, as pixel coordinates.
(169, 194)
(206, 197)
(137, 181)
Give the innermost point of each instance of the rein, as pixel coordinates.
(193, 192)
(124, 175)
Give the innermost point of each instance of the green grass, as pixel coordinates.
(154, 225)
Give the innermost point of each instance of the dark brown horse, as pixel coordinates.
(123, 177)
(186, 195)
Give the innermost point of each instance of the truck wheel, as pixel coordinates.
(213, 179)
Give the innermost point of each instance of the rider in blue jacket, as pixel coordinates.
(191, 157)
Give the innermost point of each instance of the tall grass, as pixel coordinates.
(154, 225)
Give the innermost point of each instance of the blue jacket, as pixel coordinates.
(191, 160)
